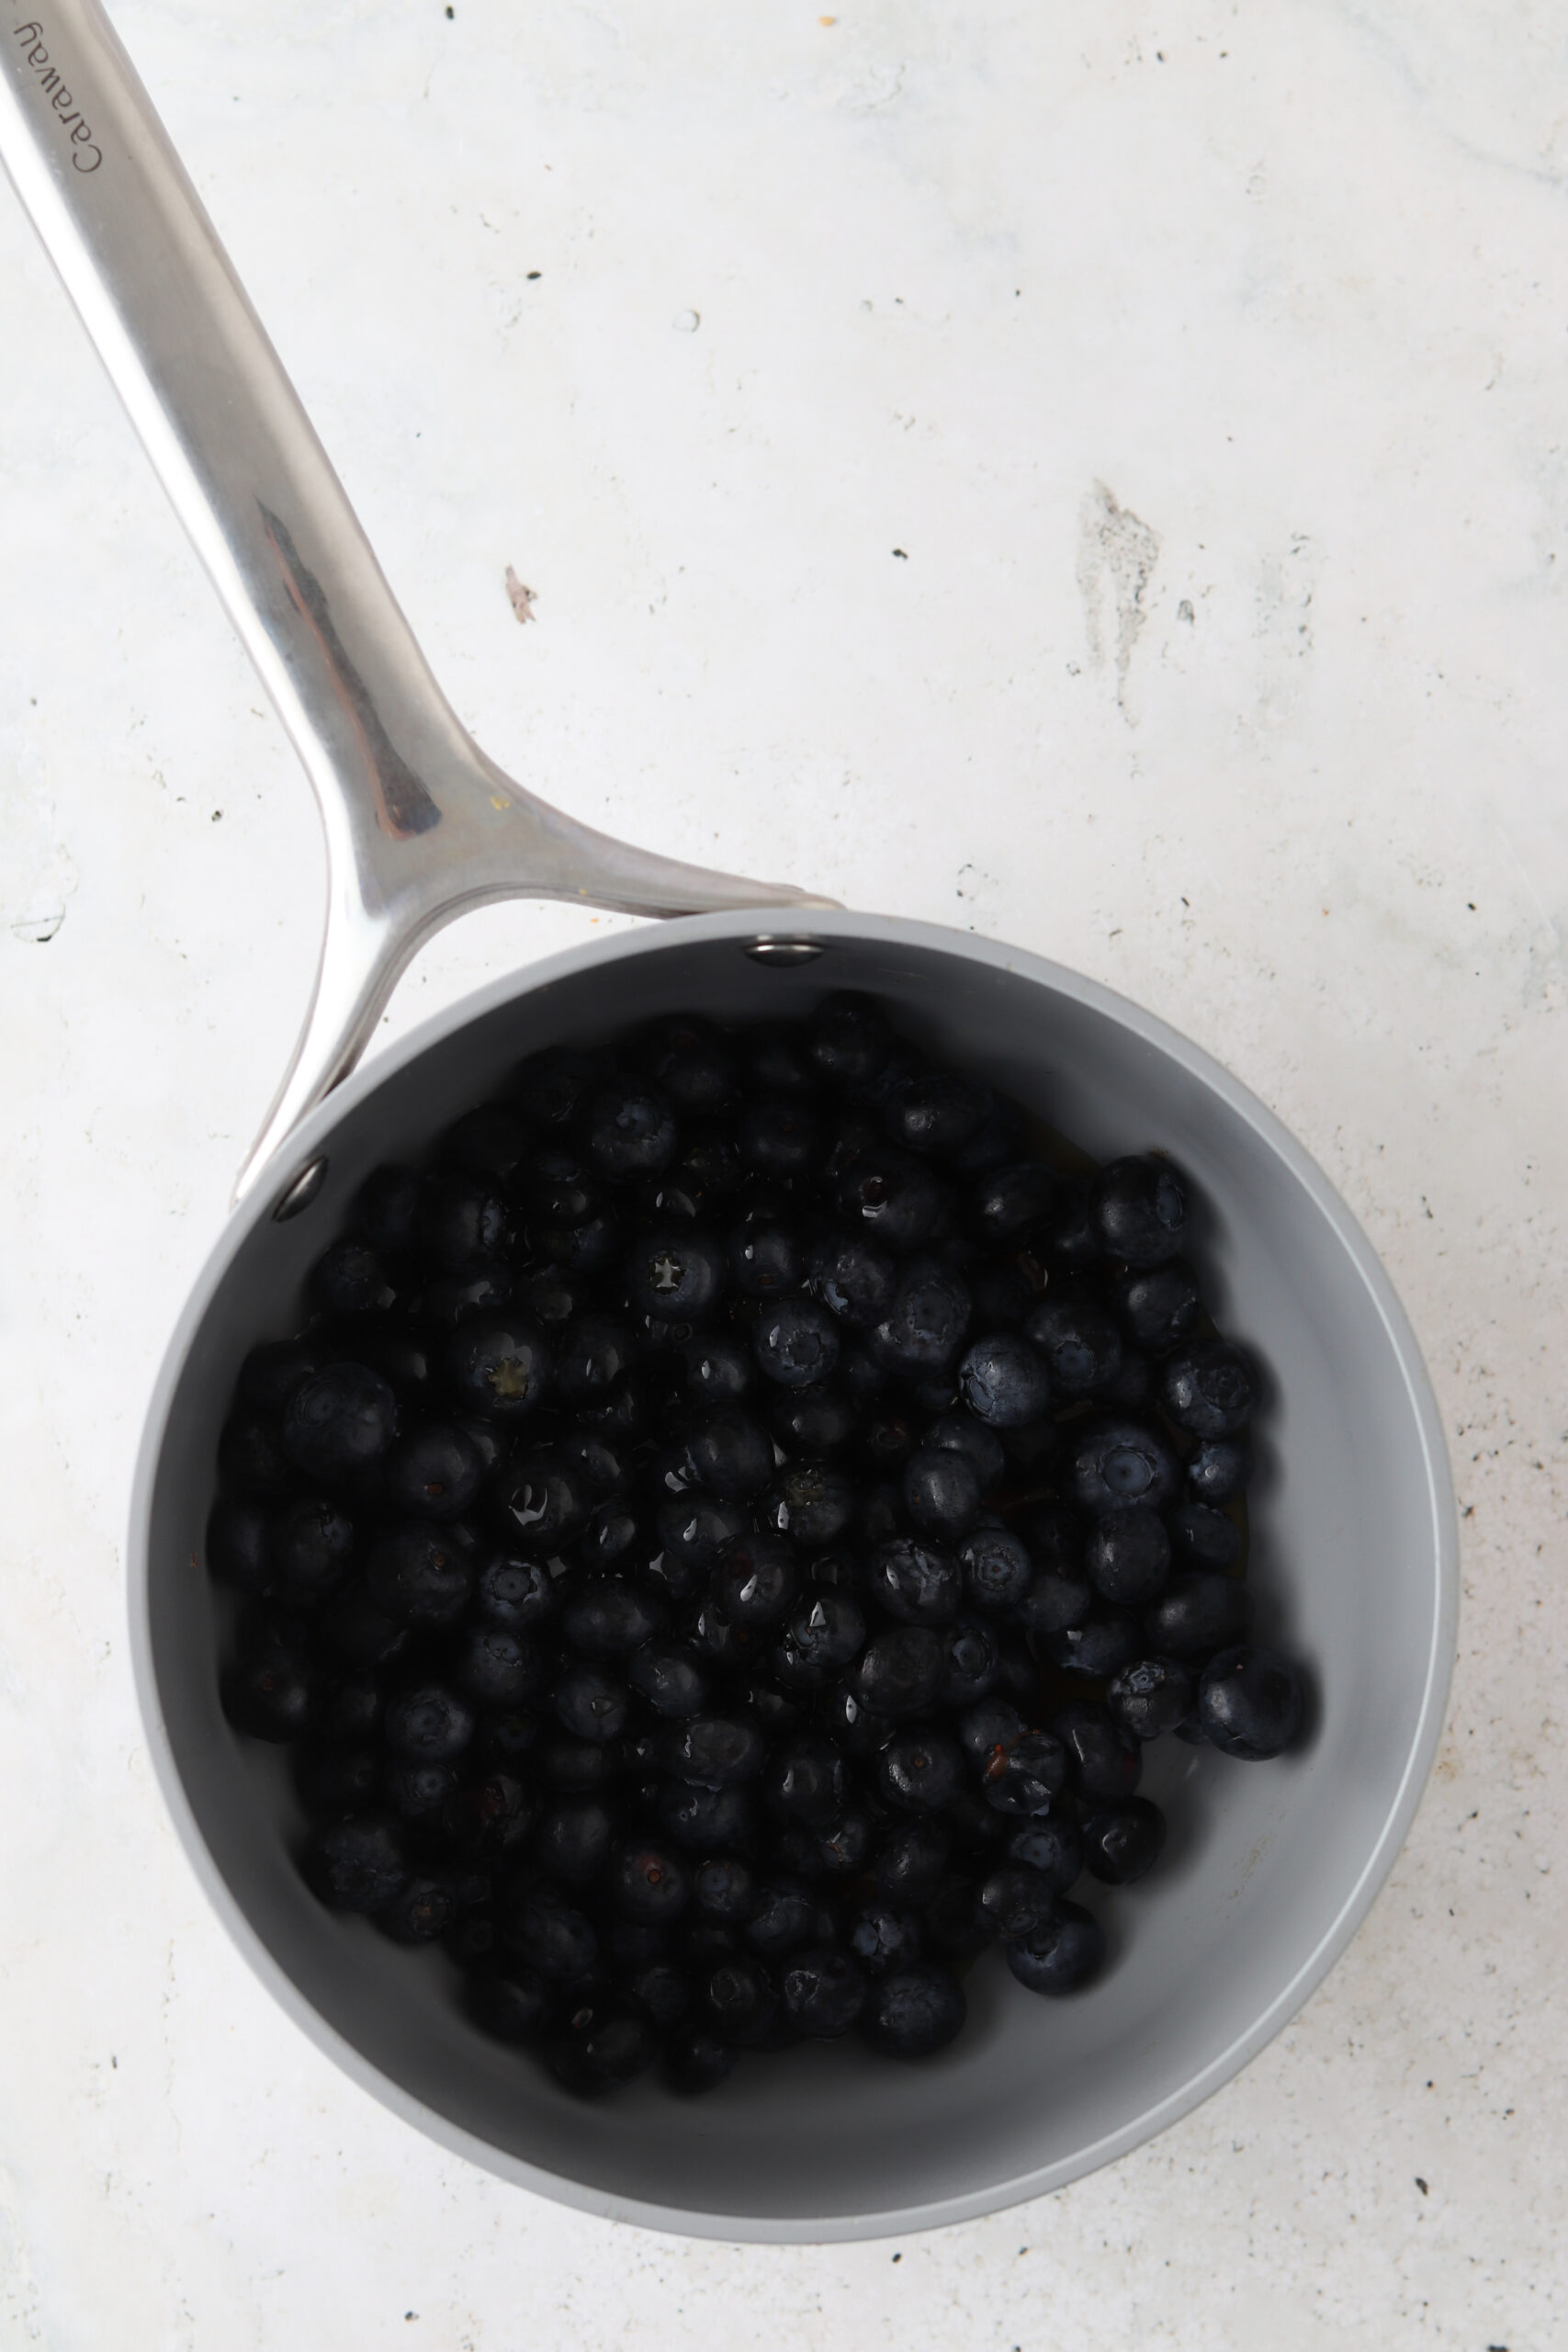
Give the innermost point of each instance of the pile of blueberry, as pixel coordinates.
(723, 1541)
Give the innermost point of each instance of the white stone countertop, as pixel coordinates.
(1092, 473)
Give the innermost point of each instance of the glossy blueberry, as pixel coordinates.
(428, 1721)
(881, 1939)
(1117, 1461)
(847, 1042)
(461, 1224)
(574, 1766)
(1152, 1695)
(763, 1256)
(886, 1438)
(669, 1675)
(1010, 1204)
(1138, 1208)
(795, 1343)
(1204, 1538)
(1104, 1760)
(893, 1196)
(1219, 1469)
(448, 1300)
(1098, 1645)
(695, 1064)
(919, 1772)
(386, 1210)
(614, 1535)
(1049, 1844)
(852, 1275)
(589, 1247)
(959, 1432)
(550, 1086)
(349, 1279)
(845, 1850)
(517, 1596)
(922, 1330)
(720, 1368)
(1064, 1953)
(824, 1633)
(988, 1725)
(1251, 1702)
(909, 1861)
(941, 1492)
(649, 1882)
(997, 1570)
(661, 1990)
(900, 1672)
(417, 1792)
(804, 1783)
(356, 1864)
(495, 1670)
(589, 1701)
(595, 1352)
(1026, 1778)
(1199, 1613)
(934, 1114)
(824, 1992)
(600, 2046)
(776, 1053)
(811, 1502)
(858, 1729)
(512, 2005)
(419, 1576)
(1004, 1381)
(1052, 1602)
(971, 1664)
(739, 2002)
(628, 1128)
(813, 1421)
(913, 2012)
(271, 1695)
(541, 1503)
(916, 1583)
(608, 1616)
(489, 1818)
(1159, 1308)
(1017, 1901)
(1122, 1842)
(729, 1454)
(675, 1272)
(1077, 1339)
(421, 1910)
(498, 1368)
(1128, 1555)
(782, 1917)
(349, 1712)
(560, 1188)
(702, 1819)
(1209, 1388)
(715, 1751)
(433, 1473)
(696, 2060)
(340, 1422)
(779, 1136)
(724, 1888)
(756, 1580)
(549, 1934)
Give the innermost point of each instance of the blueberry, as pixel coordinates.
(495, 1670)
(589, 1701)
(853, 1276)
(386, 1210)
(908, 1862)
(434, 1473)
(1199, 1613)
(591, 1246)
(668, 1676)
(1219, 1470)
(1010, 1204)
(499, 1368)
(779, 1062)
(1138, 1208)
(1060, 1956)
(606, 1617)
(1204, 1538)
(958, 1432)
(461, 1225)
(649, 1882)
(847, 1042)
(332, 1780)
(942, 1492)
(824, 1992)
(719, 1369)
(512, 2006)
(1053, 1601)
(696, 2060)
(349, 1279)
(547, 1934)
(694, 1063)
(779, 1136)
(1250, 1702)
(715, 1751)
(997, 1570)
(675, 1272)
(764, 1259)
(882, 1939)
(1128, 1555)
(1098, 1645)
(1004, 1381)
(913, 2012)
(515, 1595)
(887, 1439)
(1152, 1695)
(920, 1771)
(1017, 1901)
(756, 1580)
(359, 1864)
(813, 1420)
(237, 1547)
(901, 1672)
(576, 1767)
(916, 1583)
(661, 1991)
(418, 1576)
(448, 1300)
(922, 1330)
(988, 1725)
(628, 1128)
(740, 2003)
(417, 1792)
(1003, 1295)
(506, 1739)
(271, 1695)
(600, 2052)
(1117, 1461)
(858, 1729)
(972, 1664)
(935, 1114)
(824, 1633)
(428, 1722)
(804, 1781)
(593, 1354)
(1050, 1845)
(729, 1454)
(1158, 1308)
(1209, 1389)
(845, 1850)
(1104, 1760)
(349, 1712)
(339, 1423)
(1122, 1842)
(783, 1918)
(1077, 1339)
(893, 1196)
(421, 1910)
(795, 1343)
(541, 1503)
(357, 1632)
(701, 1819)
(723, 1888)
(1027, 1777)
(810, 1502)
(1070, 1237)
(488, 1817)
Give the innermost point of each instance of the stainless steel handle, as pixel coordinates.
(419, 825)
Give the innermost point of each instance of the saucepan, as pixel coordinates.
(1354, 1547)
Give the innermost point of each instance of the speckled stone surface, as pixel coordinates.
(1092, 474)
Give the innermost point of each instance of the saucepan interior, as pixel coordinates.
(1269, 1867)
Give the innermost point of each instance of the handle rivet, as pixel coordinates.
(783, 953)
(303, 1191)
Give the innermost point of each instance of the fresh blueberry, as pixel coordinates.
(779, 1136)
(272, 1695)
(490, 1141)
(695, 1529)
(825, 1632)
(515, 1595)
(1152, 1695)
(695, 1064)
(513, 2005)
(661, 1991)
(595, 1352)
(1004, 1381)
(1070, 1237)
(1117, 1462)
(997, 1569)
(719, 1369)
(614, 1535)
(701, 1819)
(675, 1273)
(589, 1247)
(908, 1862)
(1011, 1204)
(1104, 1760)
(988, 1725)
(1158, 1308)
(756, 1580)
(651, 1884)
(606, 1617)
(1003, 1295)
(349, 1713)
(507, 1740)
(1209, 1389)
(804, 1781)
(461, 1225)
(913, 2012)
(1251, 1702)
(1027, 1777)
(541, 1503)
(941, 1493)
(628, 1128)
(845, 1850)
(813, 1421)
(419, 1576)
(729, 1454)
(824, 1992)
(238, 1547)
(723, 1888)
(333, 1781)
(847, 1042)
(893, 1196)
(972, 1664)
(602, 2048)
(417, 1792)
(783, 1918)
(764, 1257)
(696, 2060)
(935, 1114)
(1199, 1613)
(1128, 1555)
(495, 1670)
(811, 1502)
(549, 1086)
(572, 1841)
(900, 1672)
(1098, 1647)
(488, 1817)
(1138, 1207)
(1052, 1602)
(421, 1910)
(589, 1701)
(349, 1279)
(882, 1939)
(1219, 1470)
(668, 1674)
(428, 1722)
(448, 1300)
(499, 1368)
(1051, 1845)
(340, 1422)
(357, 1864)
(795, 1343)
(549, 1934)
(777, 1054)
(853, 1276)
(922, 1330)
(576, 1767)
(1204, 1538)
(433, 1471)
(386, 1210)
(357, 1632)
(1017, 1901)
(920, 1771)
(959, 1432)
(740, 2003)
(1078, 1340)
(1063, 1955)
(917, 1584)
(1122, 1842)
(715, 1751)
